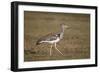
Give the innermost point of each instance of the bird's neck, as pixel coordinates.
(61, 33)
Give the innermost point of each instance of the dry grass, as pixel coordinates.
(76, 41)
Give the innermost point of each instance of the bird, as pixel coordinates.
(53, 39)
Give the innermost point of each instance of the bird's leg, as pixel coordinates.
(57, 49)
(51, 50)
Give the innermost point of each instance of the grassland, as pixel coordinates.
(74, 45)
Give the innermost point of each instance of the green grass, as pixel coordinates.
(74, 45)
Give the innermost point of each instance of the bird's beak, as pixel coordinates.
(66, 26)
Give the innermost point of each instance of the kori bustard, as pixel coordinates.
(53, 39)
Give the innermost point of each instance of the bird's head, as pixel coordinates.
(64, 26)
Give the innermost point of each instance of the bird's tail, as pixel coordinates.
(37, 43)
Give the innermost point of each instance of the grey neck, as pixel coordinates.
(62, 32)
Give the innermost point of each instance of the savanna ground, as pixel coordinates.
(74, 45)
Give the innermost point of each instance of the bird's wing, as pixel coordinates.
(48, 37)
(53, 37)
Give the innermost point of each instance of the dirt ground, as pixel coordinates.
(74, 45)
